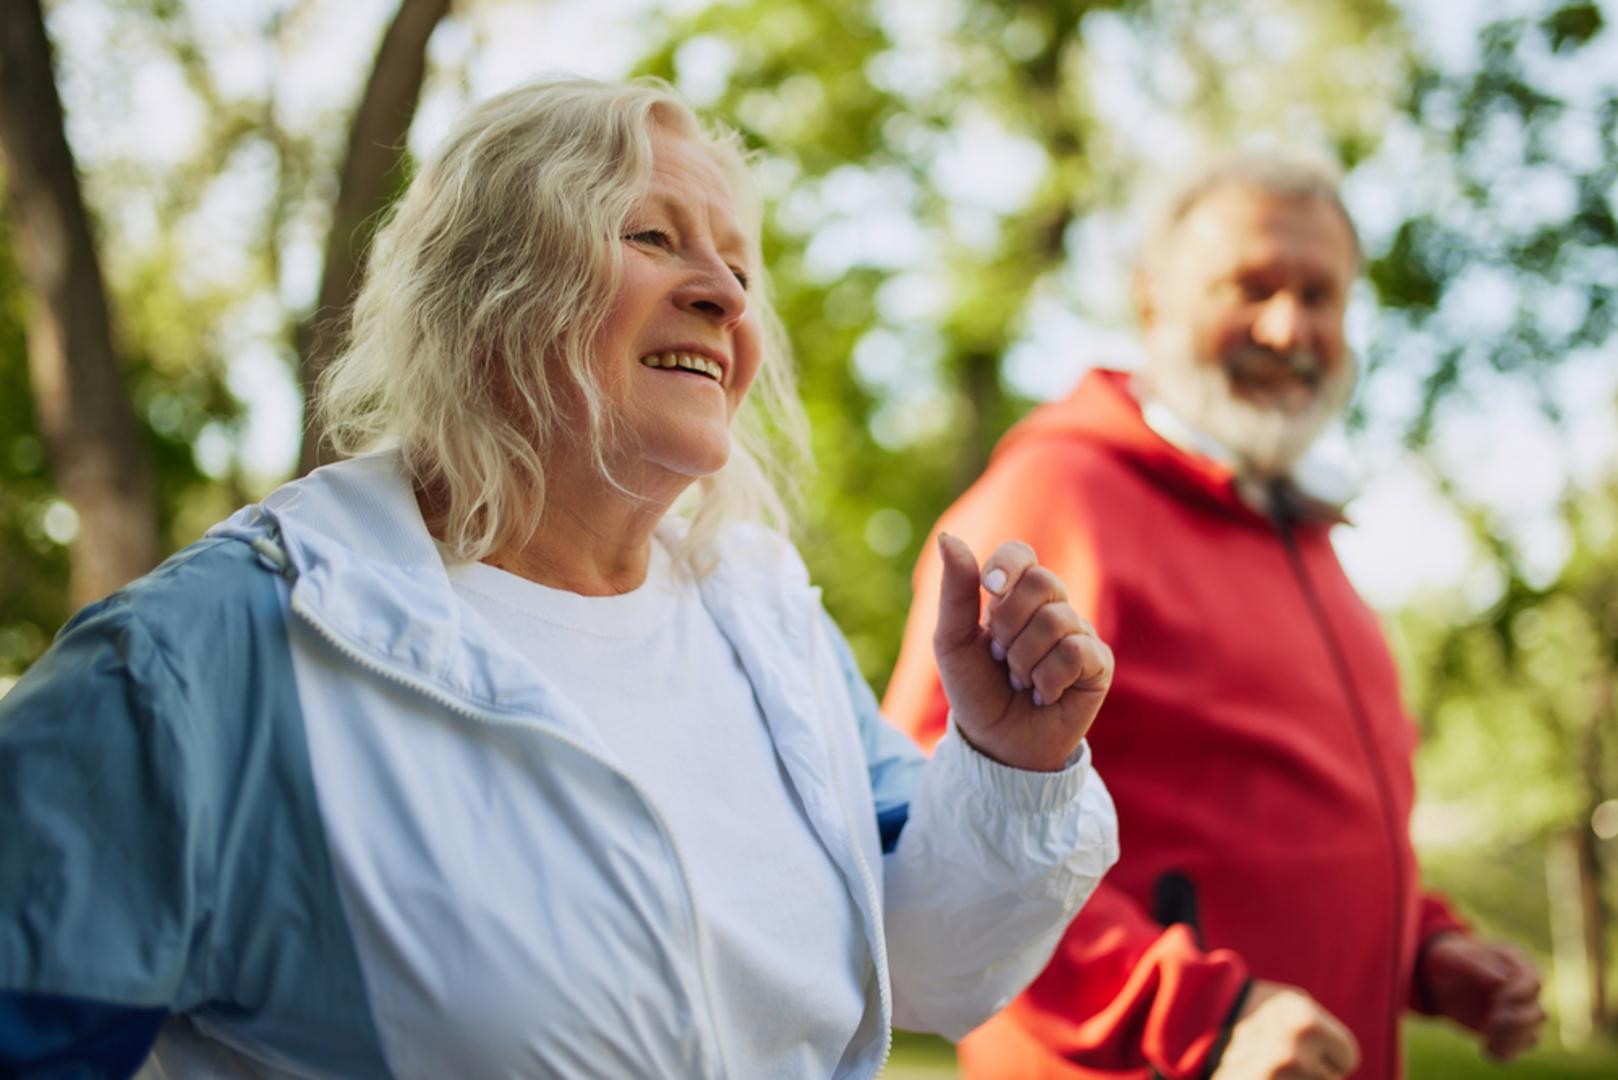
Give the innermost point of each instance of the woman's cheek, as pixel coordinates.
(749, 355)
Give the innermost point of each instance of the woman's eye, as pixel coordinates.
(650, 237)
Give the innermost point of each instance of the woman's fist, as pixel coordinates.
(1024, 679)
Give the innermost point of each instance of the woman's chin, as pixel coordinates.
(692, 460)
(710, 463)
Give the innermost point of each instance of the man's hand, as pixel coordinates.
(1024, 686)
(1488, 986)
(1284, 1034)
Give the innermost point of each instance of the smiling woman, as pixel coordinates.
(552, 263)
(471, 756)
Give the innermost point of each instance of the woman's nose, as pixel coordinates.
(714, 292)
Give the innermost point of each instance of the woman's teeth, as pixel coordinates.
(685, 361)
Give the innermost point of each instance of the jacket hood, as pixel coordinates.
(1103, 411)
(367, 574)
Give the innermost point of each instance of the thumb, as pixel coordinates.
(1340, 1051)
(959, 603)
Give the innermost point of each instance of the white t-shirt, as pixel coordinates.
(786, 956)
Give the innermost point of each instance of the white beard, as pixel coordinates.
(1267, 436)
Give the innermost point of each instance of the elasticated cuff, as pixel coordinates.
(1018, 790)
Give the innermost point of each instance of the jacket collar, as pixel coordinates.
(366, 573)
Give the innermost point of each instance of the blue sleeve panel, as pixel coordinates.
(890, 823)
(894, 762)
(43, 1037)
(163, 850)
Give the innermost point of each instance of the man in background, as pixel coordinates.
(1266, 918)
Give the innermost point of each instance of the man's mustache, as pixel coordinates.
(1260, 363)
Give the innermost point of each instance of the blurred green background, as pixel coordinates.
(953, 191)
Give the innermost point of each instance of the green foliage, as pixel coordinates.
(1573, 25)
(1407, 275)
(1526, 162)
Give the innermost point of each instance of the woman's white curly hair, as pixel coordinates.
(484, 291)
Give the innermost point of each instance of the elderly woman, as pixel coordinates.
(518, 747)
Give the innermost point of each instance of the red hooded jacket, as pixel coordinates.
(1253, 740)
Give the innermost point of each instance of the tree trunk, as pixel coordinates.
(1570, 962)
(376, 146)
(98, 460)
(1595, 929)
(1592, 893)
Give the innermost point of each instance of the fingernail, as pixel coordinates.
(995, 580)
(1016, 683)
(997, 650)
(1039, 699)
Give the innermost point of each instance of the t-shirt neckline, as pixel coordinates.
(623, 615)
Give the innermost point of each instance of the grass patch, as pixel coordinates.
(1433, 1051)
(920, 1057)
(1441, 1051)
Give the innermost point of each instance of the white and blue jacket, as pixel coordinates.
(290, 808)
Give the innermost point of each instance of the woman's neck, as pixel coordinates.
(594, 537)
(601, 553)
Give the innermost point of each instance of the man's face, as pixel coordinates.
(1242, 314)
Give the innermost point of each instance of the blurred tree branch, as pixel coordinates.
(371, 176)
(83, 409)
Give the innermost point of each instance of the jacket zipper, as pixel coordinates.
(455, 705)
(1362, 730)
(882, 981)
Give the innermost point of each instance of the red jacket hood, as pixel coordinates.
(1103, 410)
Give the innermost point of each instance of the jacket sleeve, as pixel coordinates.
(991, 866)
(42, 1035)
(100, 874)
(1122, 991)
(983, 866)
(1436, 917)
(892, 761)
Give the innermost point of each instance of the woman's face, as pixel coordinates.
(681, 343)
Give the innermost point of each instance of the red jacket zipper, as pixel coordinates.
(1373, 763)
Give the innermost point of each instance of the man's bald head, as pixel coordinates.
(1282, 176)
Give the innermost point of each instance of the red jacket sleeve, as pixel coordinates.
(1122, 992)
(1435, 917)
(1121, 995)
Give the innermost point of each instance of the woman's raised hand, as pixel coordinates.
(1025, 682)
